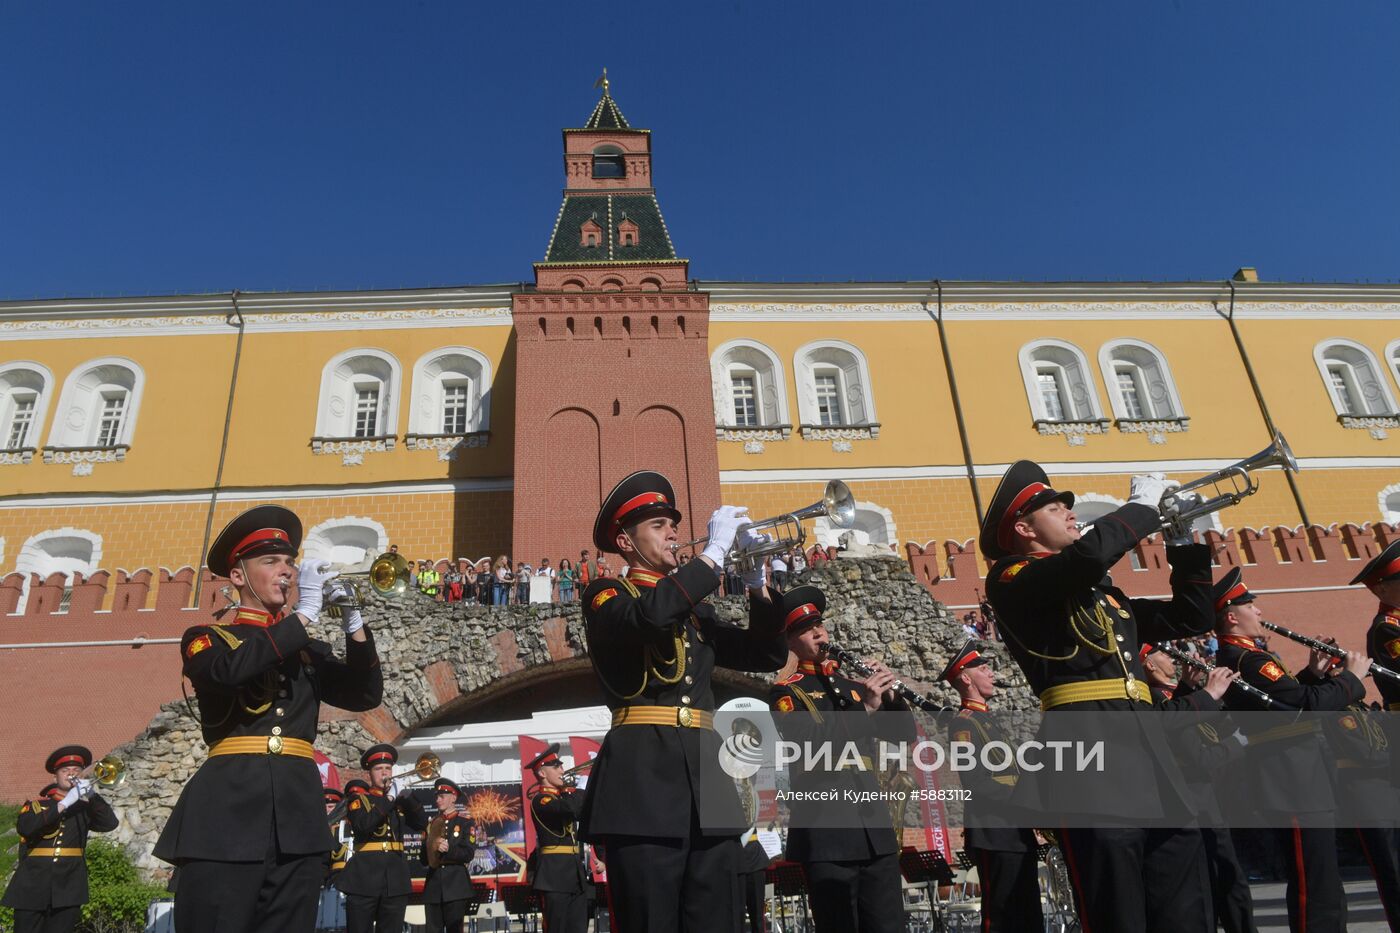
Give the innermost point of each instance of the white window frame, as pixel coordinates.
(450, 364)
(79, 413)
(738, 371)
(838, 382)
(322, 539)
(1155, 409)
(1084, 379)
(1382, 405)
(770, 382)
(33, 555)
(24, 376)
(859, 406)
(343, 374)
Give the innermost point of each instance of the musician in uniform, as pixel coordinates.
(852, 869)
(50, 883)
(449, 883)
(1135, 859)
(341, 850)
(376, 882)
(557, 871)
(657, 800)
(248, 840)
(1299, 802)
(1005, 855)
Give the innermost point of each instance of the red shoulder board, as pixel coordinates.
(1392, 647)
(355, 804)
(1271, 670)
(962, 735)
(197, 645)
(602, 597)
(792, 678)
(785, 704)
(1012, 570)
(964, 714)
(25, 808)
(547, 798)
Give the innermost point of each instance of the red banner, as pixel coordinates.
(529, 748)
(586, 749)
(935, 815)
(330, 775)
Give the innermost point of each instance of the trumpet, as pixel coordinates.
(784, 532)
(571, 775)
(912, 697)
(1172, 652)
(427, 767)
(108, 772)
(1184, 504)
(389, 576)
(1375, 670)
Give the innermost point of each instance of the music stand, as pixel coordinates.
(930, 869)
(964, 860)
(788, 880)
(602, 907)
(521, 902)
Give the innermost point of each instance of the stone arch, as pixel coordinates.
(575, 478)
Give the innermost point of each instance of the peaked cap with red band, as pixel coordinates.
(267, 529)
(803, 607)
(1382, 568)
(639, 496)
(356, 786)
(447, 786)
(378, 755)
(332, 794)
(548, 757)
(52, 791)
(967, 656)
(1023, 489)
(1230, 590)
(68, 755)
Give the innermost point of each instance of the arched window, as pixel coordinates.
(608, 162)
(98, 405)
(833, 387)
(750, 390)
(24, 399)
(1140, 385)
(347, 542)
(62, 550)
(359, 396)
(1058, 384)
(451, 393)
(1389, 502)
(874, 526)
(1353, 380)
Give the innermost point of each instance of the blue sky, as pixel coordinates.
(194, 147)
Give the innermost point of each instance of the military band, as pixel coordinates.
(376, 881)
(447, 851)
(558, 874)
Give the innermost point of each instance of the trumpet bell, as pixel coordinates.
(1182, 505)
(390, 574)
(109, 772)
(428, 766)
(839, 505)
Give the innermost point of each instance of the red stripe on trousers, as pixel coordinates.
(1302, 877)
(1074, 881)
(1361, 838)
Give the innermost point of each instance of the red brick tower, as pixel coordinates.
(612, 357)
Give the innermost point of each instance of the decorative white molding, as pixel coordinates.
(753, 447)
(323, 538)
(1390, 510)
(852, 432)
(264, 493)
(293, 322)
(771, 401)
(1376, 424)
(20, 456)
(37, 555)
(83, 458)
(841, 447)
(1073, 432)
(79, 403)
(447, 445)
(425, 412)
(352, 449)
(778, 432)
(1156, 431)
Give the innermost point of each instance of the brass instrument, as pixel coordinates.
(108, 772)
(1184, 504)
(436, 827)
(389, 576)
(571, 775)
(785, 532)
(1375, 670)
(427, 767)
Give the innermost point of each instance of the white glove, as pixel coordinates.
(396, 787)
(351, 621)
(1149, 489)
(757, 578)
(69, 799)
(311, 584)
(724, 525)
(84, 788)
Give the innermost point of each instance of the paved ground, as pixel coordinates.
(1364, 914)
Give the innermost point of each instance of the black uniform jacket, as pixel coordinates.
(452, 879)
(986, 823)
(1205, 744)
(41, 882)
(660, 648)
(340, 854)
(815, 705)
(1366, 795)
(556, 814)
(374, 818)
(1065, 622)
(260, 678)
(1293, 753)
(1383, 645)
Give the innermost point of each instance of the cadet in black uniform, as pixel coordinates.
(341, 850)
(260, 680)
(556, 873)
(1076, 636)
(852, 870)
(449, 885)
(657, 800)
(1300, 802)
(376, 882)
(1005, 855)
(50, 883)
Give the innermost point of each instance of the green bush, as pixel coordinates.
(117, 894)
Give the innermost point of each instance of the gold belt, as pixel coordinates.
(558, 850)
(262, 745)
(865, 765)
(1008, 779)
(1277, 733)
(1090, 690)
(1393, 707)
(57, 853)
(663, 716)
(380, 847)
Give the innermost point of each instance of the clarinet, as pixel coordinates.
(1172, 652)
(912, 697)
(1375, 670)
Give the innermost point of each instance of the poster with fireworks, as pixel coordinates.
(498, 831)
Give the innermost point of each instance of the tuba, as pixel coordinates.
(785, 532)
(1186, 503)
(388, 576)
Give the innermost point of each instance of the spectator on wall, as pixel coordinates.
(819, 555)
(602, 566)
(523, 572)
(779, 572)
(469, 581)
(587, 570)
(546, 571)
(567, 578)
(502, 578)
(429, 580)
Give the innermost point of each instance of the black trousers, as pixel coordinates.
(1130, 880)
(755, 883)
(564, 912)
(446, 917)
(371, 913)
(1316, 901)
(856, 897)
(1229, 889)
(52, 920)
(277, 895)
(1010, 890)
(1381, 846)
(688, 885)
